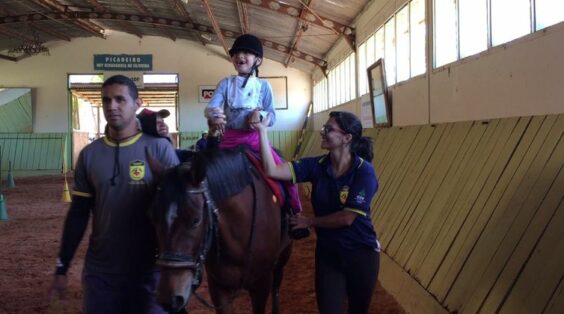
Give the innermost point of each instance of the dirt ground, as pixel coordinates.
(29, 242)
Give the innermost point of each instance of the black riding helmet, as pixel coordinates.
(247, 42)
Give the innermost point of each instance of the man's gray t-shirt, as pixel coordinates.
(123, 238)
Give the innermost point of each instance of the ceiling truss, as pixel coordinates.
(173, 23)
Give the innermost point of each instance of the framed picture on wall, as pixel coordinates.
(279, 90)
(381, 107)
(205, 93)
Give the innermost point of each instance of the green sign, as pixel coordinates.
(123, 62)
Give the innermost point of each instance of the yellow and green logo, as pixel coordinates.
(137, 170)
(344, 194)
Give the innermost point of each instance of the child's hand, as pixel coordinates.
(216, 119)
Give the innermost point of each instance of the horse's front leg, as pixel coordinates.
(259, 293)
(221, 297)
(278, 274)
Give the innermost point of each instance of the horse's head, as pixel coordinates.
(182, 213)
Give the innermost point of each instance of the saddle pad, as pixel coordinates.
(273, 184)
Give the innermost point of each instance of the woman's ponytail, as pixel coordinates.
(363, 148)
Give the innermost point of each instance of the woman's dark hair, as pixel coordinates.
(123, 80)
(348, 122)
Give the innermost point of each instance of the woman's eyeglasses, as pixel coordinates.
(326, 129)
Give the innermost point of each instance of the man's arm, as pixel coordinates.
(73, 231)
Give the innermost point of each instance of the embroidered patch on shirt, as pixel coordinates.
(360, 197)
(344, 194)
(137, 170)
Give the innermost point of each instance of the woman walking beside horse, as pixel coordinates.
(343, 183)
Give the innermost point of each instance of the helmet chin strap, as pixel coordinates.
(253, 68)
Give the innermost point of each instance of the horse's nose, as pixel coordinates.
(176, 303)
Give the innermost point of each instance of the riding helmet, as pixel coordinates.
(247, 42)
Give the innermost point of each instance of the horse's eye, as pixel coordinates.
(196, 221)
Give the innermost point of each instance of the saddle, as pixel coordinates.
(274, 185)
(280, 192)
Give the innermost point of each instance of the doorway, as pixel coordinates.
(158, 91)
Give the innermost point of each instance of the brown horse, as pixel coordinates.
(216, 210)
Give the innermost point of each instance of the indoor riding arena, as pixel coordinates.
(461, 99)
(35, 223)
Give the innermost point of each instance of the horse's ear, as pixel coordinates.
(156, 167)
(199, 167)
(193, 171)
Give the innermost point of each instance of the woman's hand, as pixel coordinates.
(256, 122)
(300, 222)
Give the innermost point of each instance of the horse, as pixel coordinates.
(216, 210)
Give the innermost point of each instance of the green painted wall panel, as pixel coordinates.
(32, 151)
(285, 141)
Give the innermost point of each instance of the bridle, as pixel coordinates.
(170, 259)
(196, 264)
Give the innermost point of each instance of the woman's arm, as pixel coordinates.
(280, 172)
(343, 218)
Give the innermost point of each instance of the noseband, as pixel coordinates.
(180, 260)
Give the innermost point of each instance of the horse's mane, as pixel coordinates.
(227, 172)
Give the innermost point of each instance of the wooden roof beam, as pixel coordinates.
(302, 27)
(143, 9)
(15, 34)
(165, 21)
(181, 11)
(216, 27)
(311, 17)
(9, 58)
(49, 31)
(129, 28)
(82, 23)
(243, 16)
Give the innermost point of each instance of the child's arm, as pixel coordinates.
(214, 110)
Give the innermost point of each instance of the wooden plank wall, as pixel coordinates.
(32, 151)
(472, 214)
(285, 141)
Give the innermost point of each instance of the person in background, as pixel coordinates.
(344, 182)
(243, 99)
(202, 143)
(152, 122)
(114, 185)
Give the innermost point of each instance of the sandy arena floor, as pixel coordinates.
(29, 242)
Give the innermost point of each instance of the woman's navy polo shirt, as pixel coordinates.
(353, 190)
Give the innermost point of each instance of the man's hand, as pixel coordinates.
(58, 287)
